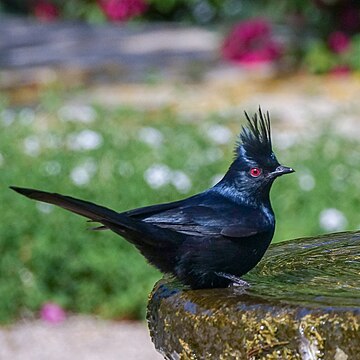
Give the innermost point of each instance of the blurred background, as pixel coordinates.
(133, 102)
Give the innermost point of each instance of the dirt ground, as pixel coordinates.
(78, 337)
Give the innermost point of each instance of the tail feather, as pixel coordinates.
(136, 231)
(84, 208)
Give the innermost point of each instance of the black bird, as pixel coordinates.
(208, 239)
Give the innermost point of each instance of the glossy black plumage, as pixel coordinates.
(223, 230)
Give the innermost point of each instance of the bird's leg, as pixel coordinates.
(236, 281)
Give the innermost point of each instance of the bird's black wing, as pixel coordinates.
(218, 219)
(147, 211)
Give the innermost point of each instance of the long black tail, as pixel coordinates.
(84, 208)
(134, 230)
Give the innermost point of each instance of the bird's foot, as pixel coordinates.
(236, 281)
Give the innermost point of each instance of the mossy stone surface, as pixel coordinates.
(302, 302)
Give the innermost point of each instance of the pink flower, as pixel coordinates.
(340, 70)
(52, 313)
(121, 10)
(338, 42)
(250, 42)
(45, 11)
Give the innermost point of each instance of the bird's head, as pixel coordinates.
(255, 166)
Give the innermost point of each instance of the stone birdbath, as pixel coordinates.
(302, 302)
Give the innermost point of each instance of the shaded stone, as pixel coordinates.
(35, 55)
(107, 52)
(302, 302)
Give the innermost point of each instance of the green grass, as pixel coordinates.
(48, 254)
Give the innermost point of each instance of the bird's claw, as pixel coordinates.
(236, 281)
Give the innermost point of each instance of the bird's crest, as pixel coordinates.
(255, 138)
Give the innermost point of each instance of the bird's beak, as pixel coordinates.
(282, 170)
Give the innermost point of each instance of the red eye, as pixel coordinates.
(255, 172)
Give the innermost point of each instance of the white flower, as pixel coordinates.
(53, 141)
(339, 171)
(306, 182)
(181, 181)
(27, 116)
(84, 140)
(26, 276)
(151, 136)
(52, 168)
(332, 220)
(32, 146)
(7, 116)
(82, 174)
(285, 140)
(77, 113)
(339, 174)
(157, 175)
(219, 134)
(44, 208)
(203, 12)
(212, 155)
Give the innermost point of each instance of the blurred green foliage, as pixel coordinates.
(47, 254)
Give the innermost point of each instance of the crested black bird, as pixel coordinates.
(210, 238)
